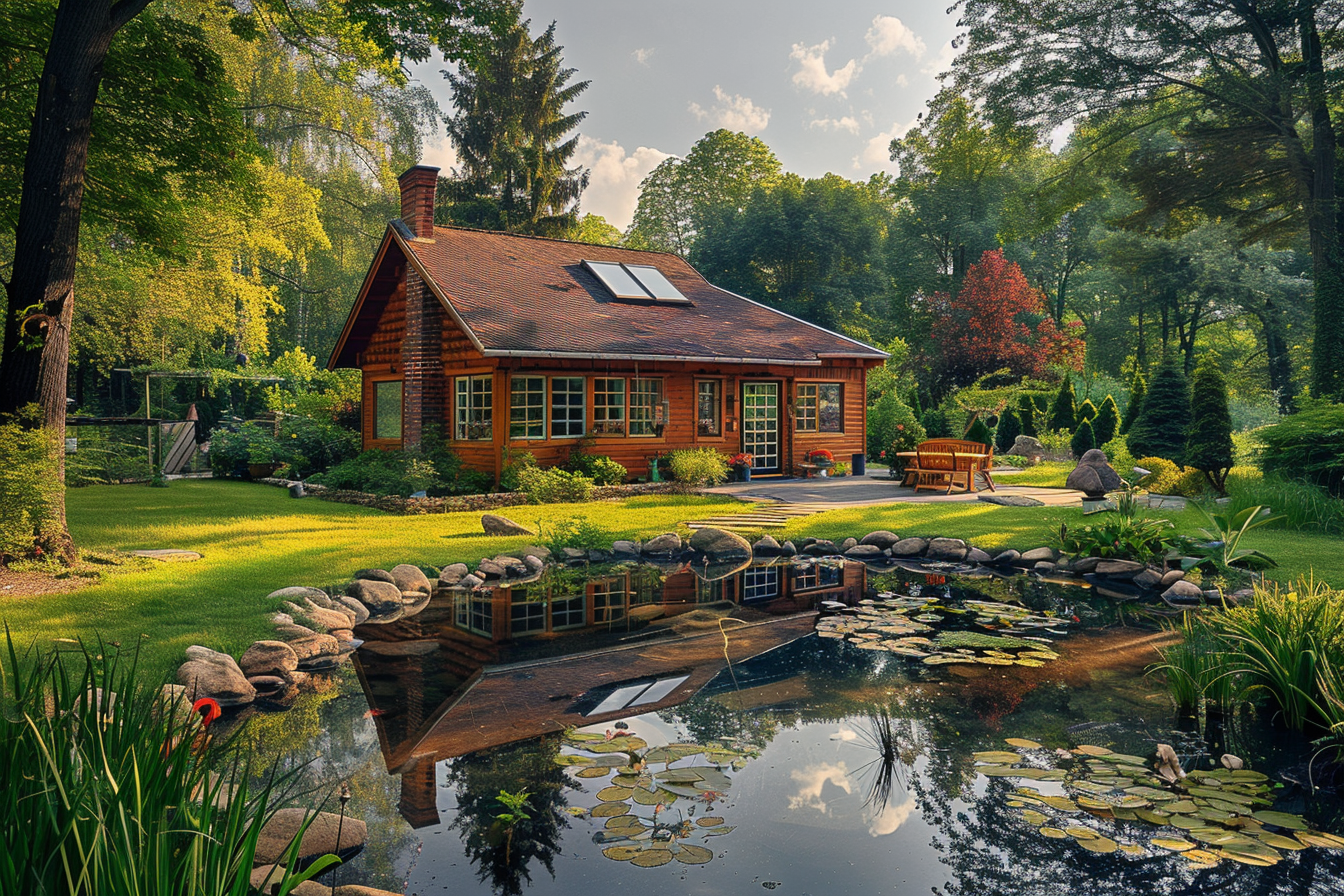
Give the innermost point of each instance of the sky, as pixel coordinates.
(826, 84)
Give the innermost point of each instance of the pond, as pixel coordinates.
(931, 731)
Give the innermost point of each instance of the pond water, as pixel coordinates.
(679, 734)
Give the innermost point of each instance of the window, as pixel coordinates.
(760, 584)
(387, 410)
(646, 407)
(527, 407)
(609, 406)
(569, 612)
(475, 400)
(475, 613)
(608, 601)
(567, 410)
(709, 407)
(527, 612)
(818, 408)
(809, 578)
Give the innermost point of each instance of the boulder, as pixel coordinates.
(411, 578)
(1168, 764)
(378, 597)
(1087, 480)
(268, 658)
(1084, 565)
(1010, 500)
(173, 703)
(1036, 555)
(493, 524)
(326, 619)
(534, 563)
(571, 554)
(452, 574)
(848, 543)
(489, 569)
(952, 550)
(788, 549)
(1119, 569)
(865, 552)
(1007, 558)
(319, 839)
(470, 581)
(910, 547)
(375, 575)
(1093, 476)
(308, 645)
(806, 541)
(1027, 446)
(361, 612)
(1148, 579)
(975, 555)
(415, 602)
(512, 566)
(880, 538)
(209, 673)
(533, 550)
(766, 546)
(298, 593)
(599, 556)
(822, 549)
(1171, 577)
(268, 685)
(720, 544)
(1183, 592)
(667, 543)
(625, 548)
(1044, 567)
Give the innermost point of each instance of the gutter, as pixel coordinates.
(608, 356)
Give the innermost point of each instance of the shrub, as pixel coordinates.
(979, 432)
(1162, 425)
(698, 466)
(1107, 422)
(1117, 454)
(1209, 444)
(1137, 391)
(1010, 427)
(935, 424)
(1299, 506)
(1086, 411)
(231, 450)
(605, 471)
(1026, 415)
(30, 487)
(1117, 537)
(311, 445)
(1064, 411)
(572, 532)
(1058, 444)
(892, 426)
(554, 486)
(384, 473)
(1083, 440)
(1308, 446)
(1192, 483)
(514, 464)
(1163, 476)
(597, 467)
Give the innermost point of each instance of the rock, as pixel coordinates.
(1119, 569)
(881, 538)
(1093, 476)
(1084, 565)
(1171, 577)
(865, 552)
(1086, 480)
(493, 524)
(1009, 500)
(1148, 579)
(1240, 596)
(173, 703)
(298, 593)
(411, 578)
(1183, 592)
(358, 890)
(573, 554)
(600, 556)
(512, 566)
(766, 546)
(720, 545)
(533, 550)
(267, 685)
(380, 598)
(1044, 567)
(308, 645)
(1169, 764)
(807, 541)
(975, 555)
(344, 636)
(910, 547)
(822, 549)
(1006, 558)
(489, 569)
(625, 548)
(1036, 555)
(326, 619)
(361, 612)
(1227, 760)
(667, 543)
(534, 563)
(319, 839)
(452, 574)
(471, 581)
(848, 543)
(209, 673)
(375, 575)
(952, 550)
(415, 602)
(268, 658)
(1027, 446)
(789, 549)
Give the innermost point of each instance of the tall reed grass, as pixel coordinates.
(1197, 669)
(112, 787)
(1300, 506)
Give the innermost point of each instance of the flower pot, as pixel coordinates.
(742, 474)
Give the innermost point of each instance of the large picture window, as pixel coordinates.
(567, 407)
(818, 408)
(709, 407)
(609, 406)
(646, 401)
(387, 410)
(473, 410)
(527, 407)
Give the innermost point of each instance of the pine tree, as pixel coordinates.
(979, 432)
(1165, 418)
(1064, 412)
(1137, 390)
(1084, 439)
(1087, 410)
(1209, 446)
(1107, 421)
(1026, 416)
(1010, 427)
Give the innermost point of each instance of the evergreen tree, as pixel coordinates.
(1209, 446)
(979, 432)
(1026, 416)
(1137, 390)
(510, 132)
(1165, 418)
(1107, 422)
(1010, 427)
(1086, 411)
(915, 403)
(935, 424)
(1084, 439)
(1064, 412)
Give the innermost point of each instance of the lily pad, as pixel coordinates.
(568, 759)
(690, 854)
(607, 810)
(1318, 838)
(1078, 832)
(1034, 818)
(614, 794)
(709, 821)
(652, 858)
(1172, 844)
(1089, 750)
(1053, 833)
(1099, 844)
(1280, 820)
(594, 772)
(622, 853)
(997, 757)
(1202, 857)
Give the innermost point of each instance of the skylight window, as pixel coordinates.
(641, 282)
(617, 280)
(653, 280)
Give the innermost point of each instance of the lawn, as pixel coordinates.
(256, 539)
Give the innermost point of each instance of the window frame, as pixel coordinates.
(374, 386)
(807, 408)
(603, 423)
(534, 613)
(463, 411)
(563, 611)
(567, 419)
(527, 423)
(717, 385)
(610, 601)
(648, 425)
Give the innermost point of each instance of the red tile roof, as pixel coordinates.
(532, 296)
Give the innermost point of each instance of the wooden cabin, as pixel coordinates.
(513, 343)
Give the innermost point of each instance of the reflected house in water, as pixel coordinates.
(479, 669)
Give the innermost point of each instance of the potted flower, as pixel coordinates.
(741, 464)
(822, 459)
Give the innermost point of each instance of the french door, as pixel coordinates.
(760, 425)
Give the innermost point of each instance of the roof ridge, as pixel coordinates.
(556, 239)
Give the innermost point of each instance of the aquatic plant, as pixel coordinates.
(1117, 537)
(1222, 549)
(1197, 668)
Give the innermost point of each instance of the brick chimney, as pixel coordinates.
(417, 199)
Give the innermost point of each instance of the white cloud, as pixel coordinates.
(812, 780)
(847, 123)
(889, 34)
(891, 817)
(902, 80)
(733, 111)
(440, 155)
(876, 153)
(613, 185)
(642, 55)
(943, 61)
(812, 73)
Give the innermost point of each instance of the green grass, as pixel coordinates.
(256, 539)
(1049, 474)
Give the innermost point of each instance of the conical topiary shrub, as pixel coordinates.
(1010, 427)
(1064, 412)
(1026, 416)
(1209, 444)
(1137, 390)
(979, 432)
(1086, 411)
(1165, 418)
(1107, 421)
(1084, 440)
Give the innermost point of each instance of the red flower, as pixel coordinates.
(208, 709)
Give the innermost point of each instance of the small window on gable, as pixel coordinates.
(387, 410)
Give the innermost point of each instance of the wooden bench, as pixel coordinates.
(950, 463)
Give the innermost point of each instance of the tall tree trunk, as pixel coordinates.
(1276, 354)
(46, 241)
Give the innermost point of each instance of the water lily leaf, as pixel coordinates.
(576, 811)
(678, 776)
(1030, 664)
(1172, 844)
(1152, 794)
(693, 855)
(645, 797)
(1126, 758)
(720, 830)
(1089, 750)
(1182, 807)
(652, 858)
(940, 659)
(1125, 814)
(1211, 814)
(626, 824)
(1053, 833)
(1278, 841)
(996, 757)
(993, 661)
(1099, 844)
(1034, 818)
(1255, 854)
(1079, 832)
(584, 737)
(594, 772)
(614, 794)
(709, 821)
(1088, 802)
(1186, 822)
(1060, 803)
(1133, 849)
(1321, 839)
(685, 790)
(1224, 805)
(621, 853)
(1200, 856)
(1280, 820)
(607, 810)
(567, 759)
(1225, 795)
(1153, 817)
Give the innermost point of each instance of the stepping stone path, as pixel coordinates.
(772, 516)
(171, 555)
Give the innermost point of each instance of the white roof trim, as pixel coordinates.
(611, 356)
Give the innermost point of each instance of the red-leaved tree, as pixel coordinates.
(996, 321)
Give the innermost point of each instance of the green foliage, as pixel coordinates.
(232, 450)
(1298, 506)
(385, 473)
(1009, 428)
(892, 427)
(1198, 667)
(1137, 391)
(515, 807)
(1117, 537)
(1163, 476)
(1106, 423)
(1027, 416)
(1307, 446)
(1083, 440)
(935, 424)
(979, 432)
(1209, 444)
(31, 490)
(698, 466)
(1221, 550)
(553, 486)
(307, 445)
(1086, 411)
(106, 455)
(572, 532)
(597, 467)
(1118, 456)
(892, 376)
(1161, 428)
(1064, 411)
